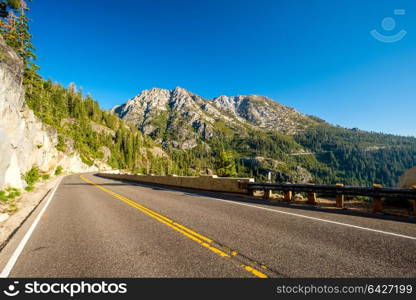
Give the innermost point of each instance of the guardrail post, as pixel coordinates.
(244, 186)
(311, 198)
(267, 194)
(377, 200)
(340, 198)
(287, 196)
(413, 204)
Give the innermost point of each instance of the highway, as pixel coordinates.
(96, 227)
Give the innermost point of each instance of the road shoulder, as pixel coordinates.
(27, 204)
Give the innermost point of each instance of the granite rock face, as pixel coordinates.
(263, 112)
(24, 140)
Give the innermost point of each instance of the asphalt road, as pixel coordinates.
(95, 227)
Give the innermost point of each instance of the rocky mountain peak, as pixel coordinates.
(153, 94)
(180, 91)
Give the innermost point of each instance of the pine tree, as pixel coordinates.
(15, 31)
(225, 164)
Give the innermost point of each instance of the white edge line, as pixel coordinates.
(323, 220)
(12, 260)
(303, 216)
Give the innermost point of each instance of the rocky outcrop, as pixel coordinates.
(24, 140)
(279, 169)
(408, 179)
(101, 129)
(263, 112)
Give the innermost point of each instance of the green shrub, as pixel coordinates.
(13, 194)
(3, 197)
(29, 188)
(45, 176)
(9, 194)
(100, 155)
(59, 170)
(61, 144)
(32, 176)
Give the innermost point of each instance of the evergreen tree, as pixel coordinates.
(225, 164)
(15, 31)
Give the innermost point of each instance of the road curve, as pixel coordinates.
(96, 227)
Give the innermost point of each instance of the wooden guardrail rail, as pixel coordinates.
(377, 192)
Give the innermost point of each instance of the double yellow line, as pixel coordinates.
(189, 233)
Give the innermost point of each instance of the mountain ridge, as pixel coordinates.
(259, 135)
(241, 111)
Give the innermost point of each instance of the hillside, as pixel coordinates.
(252, 135)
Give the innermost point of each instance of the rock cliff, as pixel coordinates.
(24, 140)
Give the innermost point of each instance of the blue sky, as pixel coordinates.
(317, 56)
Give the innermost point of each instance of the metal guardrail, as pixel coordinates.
(377, 192)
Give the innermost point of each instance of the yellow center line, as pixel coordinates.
(141, 207)
(255, 272)
(189, 233)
